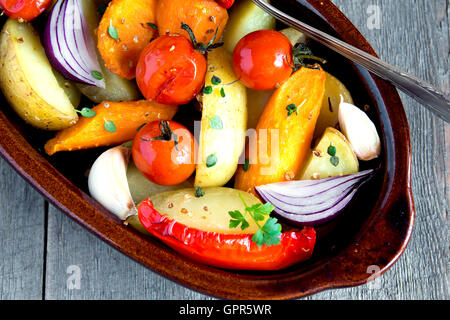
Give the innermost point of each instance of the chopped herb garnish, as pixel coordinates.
(87, 113)
(208, 90)
(199, 192)
(269, 234)
(215, 80)
(152, 25)
(97, 75)
(222, 92)
(110, 126)
(334, 161)
(112, 31)
(216, 123)
(246, 165)
(211, 161)
(331, 150)
(291, 109)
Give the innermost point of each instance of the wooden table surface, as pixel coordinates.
(40, 248)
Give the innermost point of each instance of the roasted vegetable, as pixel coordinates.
(204, 17)
(254, 17)
(28, 81)
(113, 123)
(224, 120)
(231, 251)
(284, 131)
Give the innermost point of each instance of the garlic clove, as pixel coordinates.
(360, 131)
(108, 182)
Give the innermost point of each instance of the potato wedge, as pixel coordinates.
(223, 125)
(28, 81)
(70, 88)
(207, 213)
(329, 112)
(117, 89)
(254, 17)
(319, 165)
(141, 188)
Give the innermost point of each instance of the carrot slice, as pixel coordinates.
(91, 133)
(202, 16)
(126, 28)
(284, 131)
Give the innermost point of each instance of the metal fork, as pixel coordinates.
(425, 93)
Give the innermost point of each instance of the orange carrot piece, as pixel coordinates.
(91, 133)
(130, 22)
(202, 16)
(283, 140)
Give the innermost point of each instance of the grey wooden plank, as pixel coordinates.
(414, 36)
(22, 229)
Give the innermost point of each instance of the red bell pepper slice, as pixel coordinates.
(227, 251)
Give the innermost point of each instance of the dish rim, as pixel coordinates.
(346, 266)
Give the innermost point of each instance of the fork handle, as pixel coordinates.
(429, 96)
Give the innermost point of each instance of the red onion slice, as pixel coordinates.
(70, 46)
(312, 202)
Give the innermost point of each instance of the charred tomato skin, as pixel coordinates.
(170, 70)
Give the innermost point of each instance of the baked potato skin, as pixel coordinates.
(30, 104)
(228, 142)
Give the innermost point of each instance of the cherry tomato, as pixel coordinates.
(164, 151)
(24, 9)
(170, 70)
(262, 60)
(227, 4)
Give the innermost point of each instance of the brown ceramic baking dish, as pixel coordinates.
(369, 236)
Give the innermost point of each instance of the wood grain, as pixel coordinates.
(37, 247)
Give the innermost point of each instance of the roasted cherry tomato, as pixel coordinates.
(262, 60)
(227, 4)
(230, 251)
(24, 9)
(164, 151)
(170, 70)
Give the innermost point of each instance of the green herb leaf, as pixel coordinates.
(269, 234)
(246, 165)
(208, 90)
(97, 75)
(291, 109)
(211, 161)
(88, 113)
(334, 161)
(110, 126)
(199, 192)
(237, 219)
(216, 122)
(215, 80)
(331, 150)
(152, 25)
(222, 93)
(112, 31)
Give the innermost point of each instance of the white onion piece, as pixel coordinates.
(69, 44)
(313, 202)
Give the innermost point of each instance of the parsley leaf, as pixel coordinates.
(216, 122)
(268, 234)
